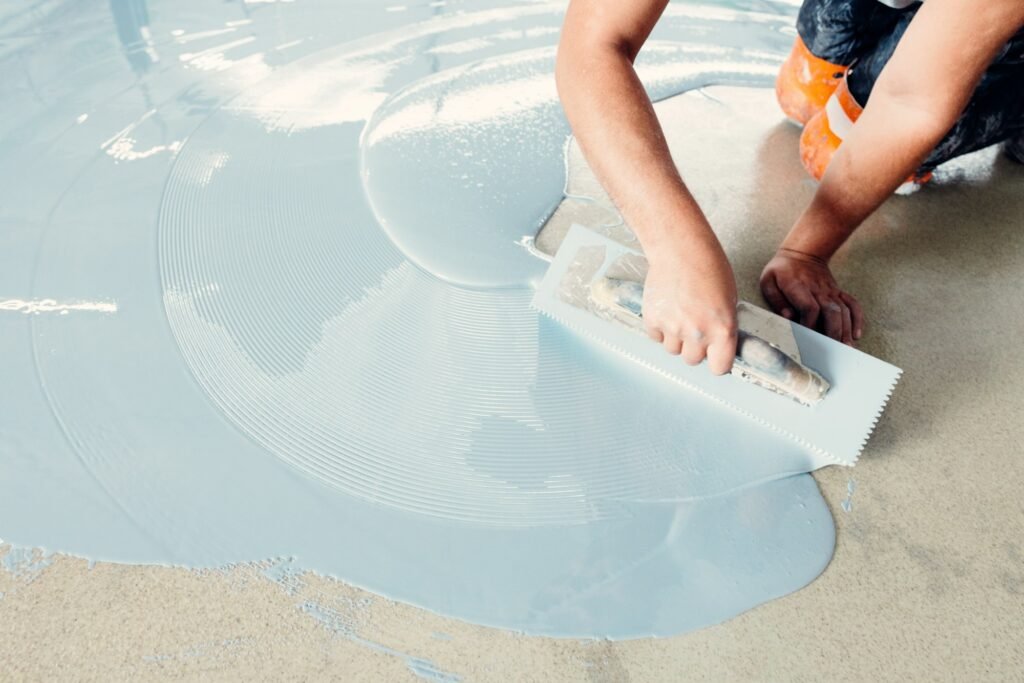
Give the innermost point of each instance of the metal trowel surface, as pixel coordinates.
(824, 395)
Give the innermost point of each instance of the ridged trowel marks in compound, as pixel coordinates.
(594, 286)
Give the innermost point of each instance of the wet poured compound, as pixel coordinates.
(267, 295)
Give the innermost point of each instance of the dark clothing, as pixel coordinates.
(863, 35)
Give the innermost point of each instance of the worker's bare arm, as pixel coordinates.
(918, 97)
(690, 293)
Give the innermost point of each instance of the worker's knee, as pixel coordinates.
(805, 83)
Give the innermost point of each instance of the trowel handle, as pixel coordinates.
(768, 363)
(761, 355)
(757, 359)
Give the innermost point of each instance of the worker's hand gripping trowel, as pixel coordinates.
(594, 285)
(757, 360)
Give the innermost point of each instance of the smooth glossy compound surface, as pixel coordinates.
(268, 298)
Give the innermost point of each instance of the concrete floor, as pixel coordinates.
(928, 577)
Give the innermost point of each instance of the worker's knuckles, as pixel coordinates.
(694, 352)
(655, 333)
(808, 307)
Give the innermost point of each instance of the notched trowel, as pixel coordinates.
(595, 285)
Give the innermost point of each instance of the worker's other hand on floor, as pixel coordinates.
(690, 304)
(801, 287)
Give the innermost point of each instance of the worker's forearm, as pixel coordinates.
(916, 100)
(888, 143)
(616, 127)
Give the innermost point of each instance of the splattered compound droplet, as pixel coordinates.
(847, 503)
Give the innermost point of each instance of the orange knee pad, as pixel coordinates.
(825, 131)
(805, 83)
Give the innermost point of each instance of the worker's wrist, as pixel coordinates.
(690, 246)
(810, 241)
(801, 255)
(683, 236)
(818, 233)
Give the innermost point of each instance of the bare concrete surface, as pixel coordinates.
(927, 582)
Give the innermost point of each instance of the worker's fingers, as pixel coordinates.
(847, 337)
(694, 350)
(721, 353)
(776, 301)
(856, 314)
(672, 344)
(800, 296)
(656, 334)
(832, 318)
